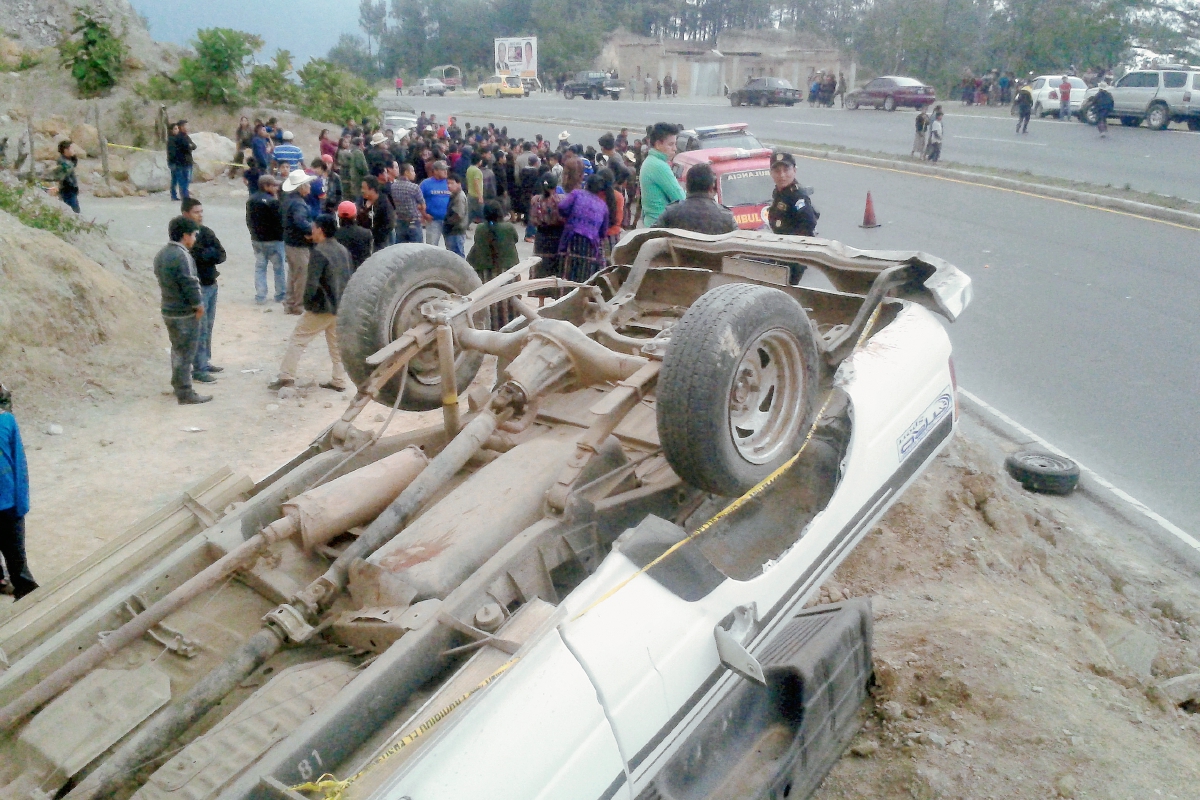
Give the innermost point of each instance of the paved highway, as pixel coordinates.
(1165, 162)
(1084, 324)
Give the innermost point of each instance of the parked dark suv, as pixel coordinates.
(765, 92)
(593, 86)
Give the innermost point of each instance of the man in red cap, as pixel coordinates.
(351, 235)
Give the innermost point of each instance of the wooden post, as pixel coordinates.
(29, 133)
(103, 148)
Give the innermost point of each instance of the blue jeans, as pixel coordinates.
(208, 298)
(455, 243)
(268, 252)
(1064, 111)
(71, 199)
(181, 176)
(433, 232)
(409, 232)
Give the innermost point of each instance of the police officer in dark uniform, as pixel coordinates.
(791, 211)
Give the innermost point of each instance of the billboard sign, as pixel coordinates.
(517, 56)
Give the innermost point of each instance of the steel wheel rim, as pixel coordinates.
(424, 366)
(765, 400)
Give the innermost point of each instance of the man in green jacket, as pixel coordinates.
(358, 168)
(659, 185)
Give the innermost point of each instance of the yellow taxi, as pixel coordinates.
(502, 86)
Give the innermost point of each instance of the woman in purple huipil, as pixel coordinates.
(586, 213)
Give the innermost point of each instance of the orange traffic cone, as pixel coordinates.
(869, 214)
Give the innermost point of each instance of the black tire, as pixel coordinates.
(1193, 124)
(1043, 472)
(1131, 122)
(733, 100)
(763, 101)
(1088, 114)
(1158, 118)
(852, 104)
(700, 373)
(889, 103)
(383, 299)
(568, 94)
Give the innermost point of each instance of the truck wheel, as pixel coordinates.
(481, 95)
(738, 387)
(383, 299)
(889, 103)
(851, 104)
(1043, 472)
(1194, 124)
(1159, 117)
(733, 100)
(763, 101)
(1089, 115)
(569, 94)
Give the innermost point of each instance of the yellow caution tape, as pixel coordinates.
(754, 491)
(333, 789)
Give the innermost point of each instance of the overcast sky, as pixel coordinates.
(305, 27)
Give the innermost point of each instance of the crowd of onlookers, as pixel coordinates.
(313, 221)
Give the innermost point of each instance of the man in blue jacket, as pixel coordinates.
(14, 499)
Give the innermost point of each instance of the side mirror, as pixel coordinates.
(731, 647)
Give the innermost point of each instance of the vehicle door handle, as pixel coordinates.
(731, 643)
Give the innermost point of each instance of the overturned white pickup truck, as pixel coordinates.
(587, 583)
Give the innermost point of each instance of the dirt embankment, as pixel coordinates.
(73, 313)
(1021, 647)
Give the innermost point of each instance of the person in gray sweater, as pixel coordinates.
(329, 270)
(699, 211)
(182, 305)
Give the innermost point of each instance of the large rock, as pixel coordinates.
(1128, 644)
(212, 155)
(149, 172)
(86, 139)
(1182, 689)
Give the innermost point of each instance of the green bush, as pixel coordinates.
(214, 75)
(270, 83)
(94, 54)
(331, 93)
(18, 200)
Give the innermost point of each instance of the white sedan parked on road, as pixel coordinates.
(1046, 101)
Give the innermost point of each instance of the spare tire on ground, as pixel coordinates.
(384, 299)
(1043, 472)
(738, 388)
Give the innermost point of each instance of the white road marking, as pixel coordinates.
(817, 124)
(1002, 141)
(1183, 536)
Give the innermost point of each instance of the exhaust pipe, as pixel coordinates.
(318, 515)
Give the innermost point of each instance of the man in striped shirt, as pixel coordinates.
(288, 152)
(410, 205)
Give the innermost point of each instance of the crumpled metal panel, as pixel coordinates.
(208, 763)
(95, 714)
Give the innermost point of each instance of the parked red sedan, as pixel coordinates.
(889, 92)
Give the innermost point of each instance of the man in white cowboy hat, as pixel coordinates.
(379, 157)
(288, 152)
(297, 232)
(564, 140)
